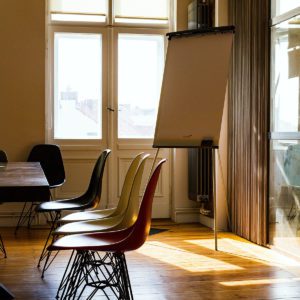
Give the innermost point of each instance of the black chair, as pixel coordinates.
(3, 156)
(3, 159)
(49, 156)
(89, 200)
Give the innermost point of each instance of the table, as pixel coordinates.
(23, 182)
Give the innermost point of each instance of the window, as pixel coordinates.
(140, 60)
(105, 61)
(78, 10)
(77, 88)
(142, 11)
(280, 7)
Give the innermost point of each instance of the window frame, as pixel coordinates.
(50, 102)
(109, 72)
(115, 32)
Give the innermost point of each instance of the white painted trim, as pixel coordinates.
(206, 221)
(10, 218)
(186, 215)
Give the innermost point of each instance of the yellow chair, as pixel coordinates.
(110, 212)
(115, 222)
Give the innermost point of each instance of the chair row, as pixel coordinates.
(115, 228)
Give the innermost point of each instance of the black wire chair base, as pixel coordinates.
(87, 273)
(2, 248)
(45, 254)
(27, 216)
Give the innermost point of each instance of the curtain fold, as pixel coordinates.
(248, 116)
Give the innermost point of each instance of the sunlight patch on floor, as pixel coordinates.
(248, 250)
(259, 281)
(183, 259)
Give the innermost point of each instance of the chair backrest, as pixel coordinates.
(51, 161)
(132, 209)
(127, 185)
(3, 156)
(91, 198)
(140, 229)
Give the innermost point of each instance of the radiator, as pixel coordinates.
(200, 178)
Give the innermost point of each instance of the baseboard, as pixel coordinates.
(186, 215)
(10, 219)
(206, 221)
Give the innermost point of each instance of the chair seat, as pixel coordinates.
(89, 226)
(87, 215)
(58, 205)
(103, 241)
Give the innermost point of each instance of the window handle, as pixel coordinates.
(110, 109)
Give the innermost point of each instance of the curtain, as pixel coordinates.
(249, 120)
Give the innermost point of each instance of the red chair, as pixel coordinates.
(90, 269)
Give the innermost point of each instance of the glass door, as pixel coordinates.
(284, 181)
(105, 65)
(139, 56)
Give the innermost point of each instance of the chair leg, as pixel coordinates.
(72, 281)
(65, 278)
(127, 279)
(21, 218)
(29, 214)
(48, 261)
(2, 248)
(45, 253)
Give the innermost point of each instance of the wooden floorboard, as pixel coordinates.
(179, 263)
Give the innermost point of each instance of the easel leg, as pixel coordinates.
(153, 165)
(215, 198)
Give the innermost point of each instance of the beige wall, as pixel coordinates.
(22, 76)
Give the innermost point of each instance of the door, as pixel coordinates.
(105, 80)
(284, 181)
(138, 58)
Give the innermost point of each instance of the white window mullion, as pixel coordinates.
(73, 49)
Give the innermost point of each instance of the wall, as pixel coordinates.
(22, 76)
(22, 82)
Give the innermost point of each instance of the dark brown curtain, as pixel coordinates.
(248, 119)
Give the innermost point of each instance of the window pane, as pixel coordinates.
(285, 84)
(142, 8)
(77, 86)
(79, 6)
(284, 193)
(140, 63)
(77, 18)
(282, 6)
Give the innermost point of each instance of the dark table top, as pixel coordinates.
(23, 182)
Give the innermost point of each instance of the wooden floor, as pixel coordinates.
(176, 264)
